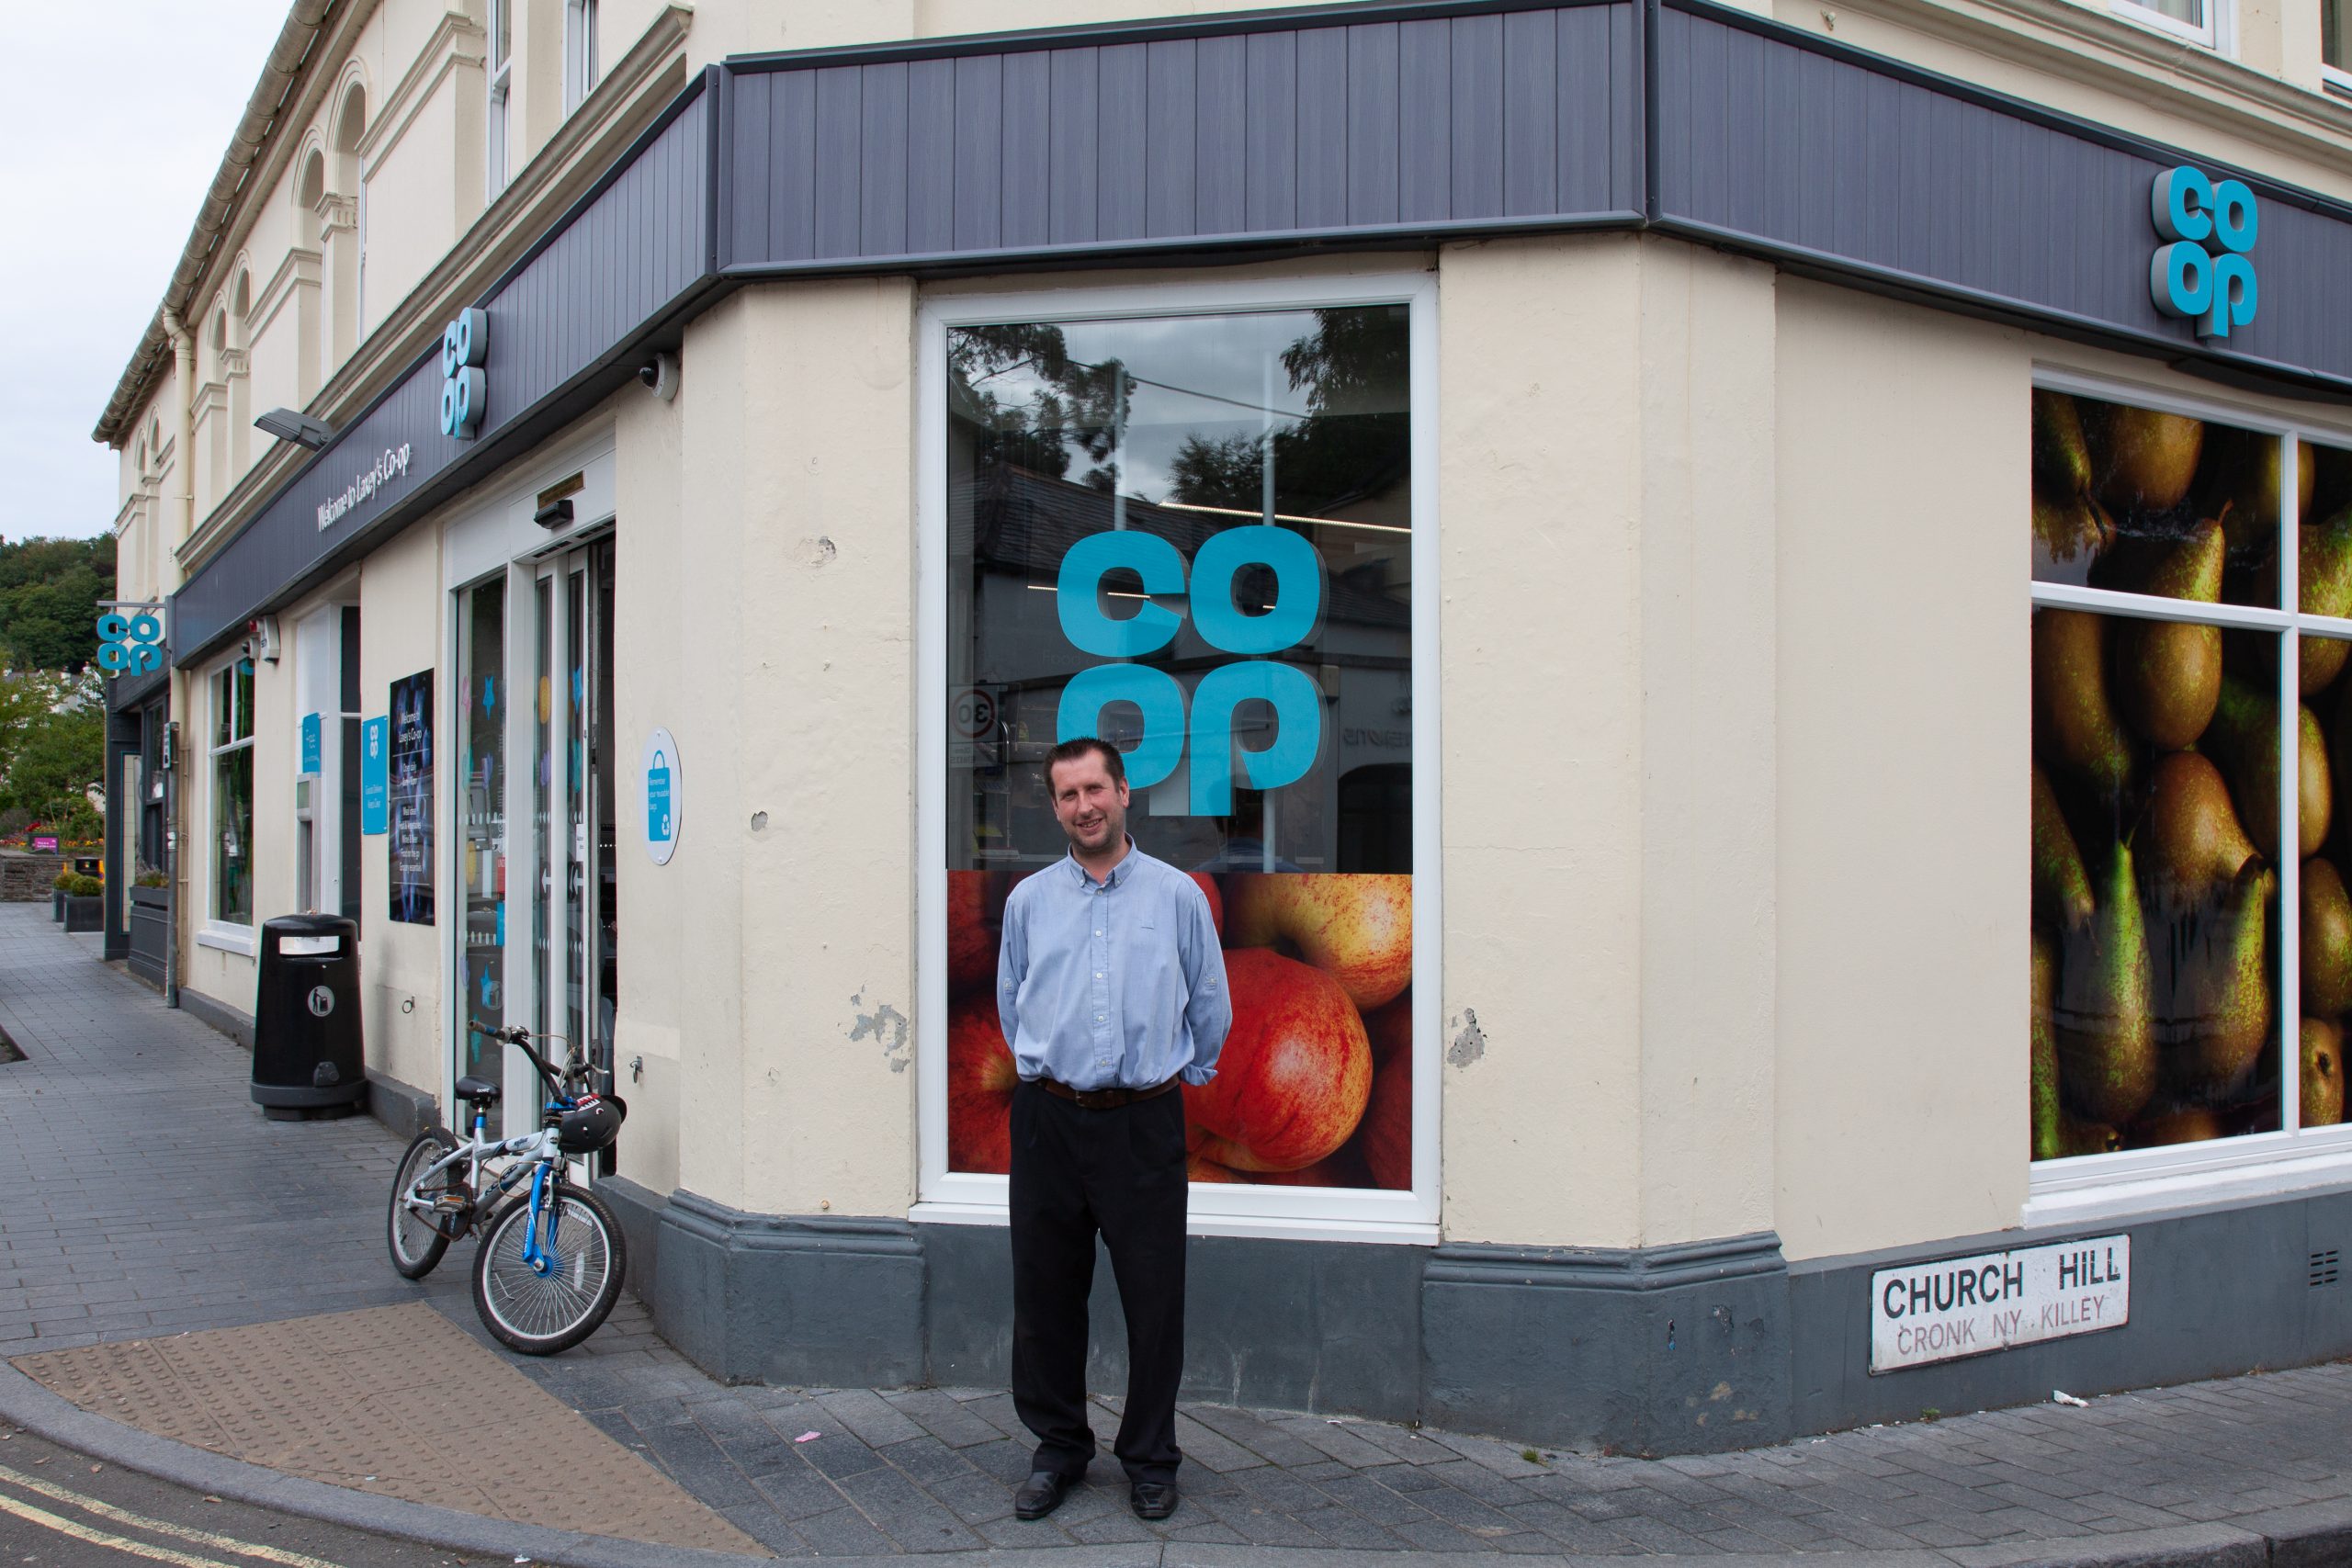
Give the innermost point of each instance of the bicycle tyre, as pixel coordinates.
(541, 1314)
(416, 1244)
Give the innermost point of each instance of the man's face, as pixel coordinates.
(1091, 806)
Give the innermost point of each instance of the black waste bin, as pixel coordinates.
(307, 1050)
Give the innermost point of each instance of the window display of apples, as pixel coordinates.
(981, 1081)
(1295, 1073)
(1384, 1139)
(1356, 928)
(976, 922)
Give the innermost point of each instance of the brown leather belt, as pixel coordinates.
(1102, 1099)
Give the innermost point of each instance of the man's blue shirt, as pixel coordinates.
(1111, 984)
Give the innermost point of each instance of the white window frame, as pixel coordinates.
(228, 935)
(580, 63)
(1296, 1213)
(2216, 33)
(498, 165)
(2085, 1187)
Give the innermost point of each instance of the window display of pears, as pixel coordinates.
(2157, 845)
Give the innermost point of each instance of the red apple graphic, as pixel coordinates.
(1358, 929)
(973, 930)
(981, 1081)
(1296, 1070)
(1384, 1139)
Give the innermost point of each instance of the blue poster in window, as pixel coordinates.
(409, 798)
(375, 744)
(311, 744)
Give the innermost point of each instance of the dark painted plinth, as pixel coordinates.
(1669, 1350)
(1691, 1348)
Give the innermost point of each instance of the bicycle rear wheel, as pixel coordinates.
(417, 1241)
(540, 1313)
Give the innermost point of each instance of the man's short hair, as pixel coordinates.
(1071, 750)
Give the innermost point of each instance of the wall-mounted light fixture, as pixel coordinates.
(298, 428)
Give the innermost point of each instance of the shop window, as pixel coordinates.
(1194, 535)
(2191, 971)
(232, 794)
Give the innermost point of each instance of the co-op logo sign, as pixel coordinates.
(1169, 732)
(465, 389)
(2205, 272)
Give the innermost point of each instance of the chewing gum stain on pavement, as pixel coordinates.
(360, 1399)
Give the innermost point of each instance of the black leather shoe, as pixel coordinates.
(1041, 1495)
(1152, 1499)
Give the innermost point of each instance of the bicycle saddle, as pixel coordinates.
(477, 1089)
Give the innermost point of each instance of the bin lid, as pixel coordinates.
(311, 925)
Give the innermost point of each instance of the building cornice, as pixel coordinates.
(629, 96)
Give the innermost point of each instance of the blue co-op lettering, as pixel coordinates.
(1169, 731)
(2204, 272)
(464, 385)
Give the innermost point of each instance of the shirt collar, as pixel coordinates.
(1118, 873)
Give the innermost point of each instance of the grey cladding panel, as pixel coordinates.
(1810, 151)
(1316, 129)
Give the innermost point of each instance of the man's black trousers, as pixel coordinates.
(1075, 1171)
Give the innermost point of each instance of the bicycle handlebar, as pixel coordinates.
(520, 1038)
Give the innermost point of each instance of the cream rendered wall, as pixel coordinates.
(1905, 726)
(421, 158)
(654, 667)
(400, 609)
(776, 642)
(1606, 524)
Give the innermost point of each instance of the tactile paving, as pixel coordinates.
(362, 1399)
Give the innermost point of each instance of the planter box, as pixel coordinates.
(57, 904)
(85, 914)
(151, 932)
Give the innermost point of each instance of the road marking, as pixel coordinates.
(101, 1538)
(124, 1515)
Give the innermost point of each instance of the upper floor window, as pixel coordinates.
(502, 94)
(2191, 20)
(580, 67)
(2335, 42)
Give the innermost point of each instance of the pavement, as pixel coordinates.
(181, 1280)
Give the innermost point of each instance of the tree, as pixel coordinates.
(49, 595)
(52, 743)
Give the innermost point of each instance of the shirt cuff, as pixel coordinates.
(1196, 1076)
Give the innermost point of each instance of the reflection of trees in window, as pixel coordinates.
(1354, 442)
(1078, 404)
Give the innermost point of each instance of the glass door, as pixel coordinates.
(481, 721)
(573, 906)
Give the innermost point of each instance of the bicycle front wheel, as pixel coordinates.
(417, 1241)
(552, 1304)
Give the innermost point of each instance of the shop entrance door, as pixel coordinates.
(574, 909)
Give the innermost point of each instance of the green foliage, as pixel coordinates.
(61, 881)
(52, 745)
(85, 887)
(49, 595)
(153, 879)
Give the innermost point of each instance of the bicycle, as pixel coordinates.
(551, 1261)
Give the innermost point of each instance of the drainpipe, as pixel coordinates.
(180, 508)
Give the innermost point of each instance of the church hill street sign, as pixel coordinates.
(1940, 1311)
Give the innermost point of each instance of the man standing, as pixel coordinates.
(1111, 989)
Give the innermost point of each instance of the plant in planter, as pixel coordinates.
(85, 905)
(59, 886)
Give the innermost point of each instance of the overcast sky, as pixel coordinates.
(114, 117)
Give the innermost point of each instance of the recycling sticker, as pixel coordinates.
(665, 795)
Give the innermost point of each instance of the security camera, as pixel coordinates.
(660, 376)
